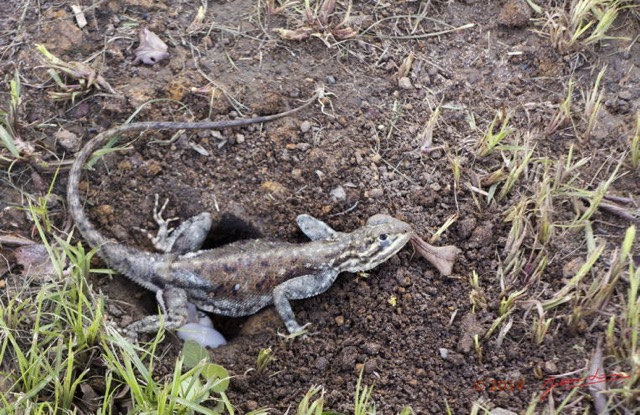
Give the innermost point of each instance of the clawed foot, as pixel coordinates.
(298, 332)
(130, 335)
(161, 241)
(188, 237)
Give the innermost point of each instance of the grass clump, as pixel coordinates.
(314, 18)
(491, 138)
(634, 145)
(584, 24)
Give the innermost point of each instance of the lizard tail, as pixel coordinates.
(142, 267)
(137, 264)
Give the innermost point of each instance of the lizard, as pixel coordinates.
(243, 277)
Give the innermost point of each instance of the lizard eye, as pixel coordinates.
(383, 237)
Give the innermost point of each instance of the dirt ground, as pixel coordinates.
(355, 154)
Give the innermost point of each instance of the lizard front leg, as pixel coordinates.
(315, 229)
(299, 288)
(188, 237)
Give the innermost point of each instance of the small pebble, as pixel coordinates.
(330, 80)
(405, 83)
(377, 192)
(338, 194)
(444, 353)
(500, 411)
(68, 140)
(625, 95)
(550, 368)
(305, 126)
(240, 138)
(322, 363)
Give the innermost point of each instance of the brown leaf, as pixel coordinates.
(298, 34)
(151, 50)
(344, 33)
(35, 260)
(441, 257)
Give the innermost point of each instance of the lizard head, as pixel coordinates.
(380, 239)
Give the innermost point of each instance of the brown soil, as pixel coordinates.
(366, 139)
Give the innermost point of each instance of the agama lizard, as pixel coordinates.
(240, 278)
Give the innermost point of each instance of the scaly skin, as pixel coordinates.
(241, 278)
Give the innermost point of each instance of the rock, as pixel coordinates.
(338, 194)
(469, 327)
(370, 366)
(515, 13)
(68, 140)
(625, 95)
(348, 357)
(466, 226)
(305, 126)
(322, 363)
(550, 368)
(482, 234)
(374, 193)
(372, 348)
(405, 83)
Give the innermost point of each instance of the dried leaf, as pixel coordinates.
(197, 23)
(81, 20)
(151, 50)
(14, 240)
(596, 388)
(35, 260)
(298, 34)
(442, 257)
(344, 33)
(78, 70)
(405, 67)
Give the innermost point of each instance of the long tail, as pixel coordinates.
(128, 260)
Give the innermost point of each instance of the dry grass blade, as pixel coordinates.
(596, 388)
(426, 136)
(564, 294)
(80, 71)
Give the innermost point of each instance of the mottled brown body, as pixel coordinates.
(241, 278)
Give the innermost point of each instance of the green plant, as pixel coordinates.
(634, 144)
(9, 118)
(585, 24)
(361, 405)
(265, 358)
(491, 139)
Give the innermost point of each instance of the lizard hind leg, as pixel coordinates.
(174, 307)
(188, 237)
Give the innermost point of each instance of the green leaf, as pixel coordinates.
(193, 354)
(212, 371)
